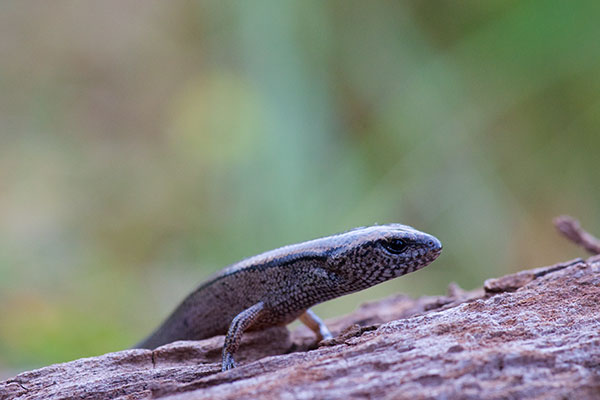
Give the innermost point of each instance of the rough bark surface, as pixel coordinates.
(530, 335)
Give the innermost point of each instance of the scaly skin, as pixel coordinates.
(278, 286)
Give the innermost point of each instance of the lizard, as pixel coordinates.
(279, 286)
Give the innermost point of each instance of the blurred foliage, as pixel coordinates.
(145, 145)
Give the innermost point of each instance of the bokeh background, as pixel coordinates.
(146, 144)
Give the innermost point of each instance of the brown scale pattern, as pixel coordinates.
(289, 280)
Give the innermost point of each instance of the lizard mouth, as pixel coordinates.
(427, 257)
(432, 255)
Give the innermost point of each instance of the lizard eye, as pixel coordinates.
(395, 246)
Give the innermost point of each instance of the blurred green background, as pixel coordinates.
(145, 145)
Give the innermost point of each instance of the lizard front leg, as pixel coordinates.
(315, 324)
(240, 323)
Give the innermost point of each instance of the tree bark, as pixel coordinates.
(530, 335)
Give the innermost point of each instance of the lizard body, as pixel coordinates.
(281, 285)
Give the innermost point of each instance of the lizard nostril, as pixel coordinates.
(434, 244)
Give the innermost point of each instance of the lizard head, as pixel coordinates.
(367, 256)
